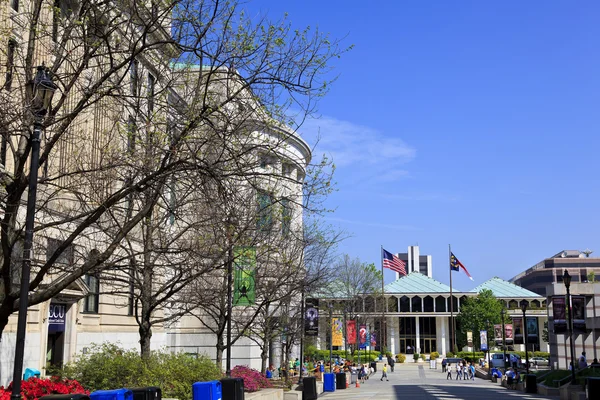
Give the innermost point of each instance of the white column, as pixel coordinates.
(392, 330)
(418, 338)
(441, 336)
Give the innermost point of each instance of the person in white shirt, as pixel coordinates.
(582, 361)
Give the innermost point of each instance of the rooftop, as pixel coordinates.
(415, 282)
(502, 288)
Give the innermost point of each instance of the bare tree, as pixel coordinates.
(141, 111)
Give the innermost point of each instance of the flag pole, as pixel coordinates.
(452, 332)
(383, 306)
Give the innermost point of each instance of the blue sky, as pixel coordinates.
(471, 123)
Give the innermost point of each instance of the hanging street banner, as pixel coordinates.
(351, 332)
(337, 332)
(311, 317)
(469, 338)
(244, 264)
(373, 339)
(508, 333)
(56, 317)
(578, 304)
(363, 336)
(518, 324)
(532, 330)
(498, 334)
(559, 314)
(483, 340)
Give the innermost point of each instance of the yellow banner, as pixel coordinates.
(337, 329)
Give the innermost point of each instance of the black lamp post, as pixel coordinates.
(330, 305)
(487, 338)
(358, 339)
(502, 314)
(524, 304)
(567, 282)
(40, 91)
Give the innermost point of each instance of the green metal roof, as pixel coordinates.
(415, 282)
(502, 288)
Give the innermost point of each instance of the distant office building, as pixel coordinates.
(415, 262)
(579, 264)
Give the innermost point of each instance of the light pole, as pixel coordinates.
(40, 91)
(358, 339)
(330, 305)
(487, 338)
(524, 304)
(567, 282)
(502, 314)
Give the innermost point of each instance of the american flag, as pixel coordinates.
(394, 263)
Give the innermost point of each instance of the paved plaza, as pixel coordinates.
(417, 381)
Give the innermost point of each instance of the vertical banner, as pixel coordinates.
(532, 330)
(469, 338)
(373, 338)
(244, 263)
(56, 317)
(578, 304)
(351, 332)
(483, 340)
(498, 334)
(311, 317)
(337, 332)
(559, 314)
(363, 336)
(508, 333)
(518, 325)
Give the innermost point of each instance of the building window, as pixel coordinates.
(133, 77)
(65, 258)
(286, 217)
(14, 4)
(264, 211)
(91, 300)
(151, 88)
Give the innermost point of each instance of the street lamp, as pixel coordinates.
(487, 338)
(358, 339)
(330, 305)
(524, 304)
(567, 282)
(502, 314)
(40, 92)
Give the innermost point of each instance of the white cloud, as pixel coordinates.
(355, 146)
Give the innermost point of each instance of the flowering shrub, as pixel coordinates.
(253, 379)
(34, 388)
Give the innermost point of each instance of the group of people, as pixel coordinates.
(462, 370)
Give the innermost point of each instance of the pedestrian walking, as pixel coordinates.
(444, 363)
(472, 368)
(384, 373)
(458, 372)
(392, 363)
(449, 370)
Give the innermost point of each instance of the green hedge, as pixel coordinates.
(324, 355)
(108, 366)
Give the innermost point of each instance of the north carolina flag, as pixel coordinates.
(455, 265)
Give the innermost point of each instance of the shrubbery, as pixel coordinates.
(400, 358)
(253, 379)
(434, 355)
(34, 388)
(416, 357)
(108, 366)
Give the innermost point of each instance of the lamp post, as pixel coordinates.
(487, 338)
(502, 314)
(567, 282)
(40, 91)
(330, 305)
(524, 304)
(358, 339)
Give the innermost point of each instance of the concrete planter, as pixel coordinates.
(547, 390)
(565, 391)
(268, 394)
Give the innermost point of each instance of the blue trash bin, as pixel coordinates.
(207, 390)
(117, 394)
(31, 372)
(329, 382)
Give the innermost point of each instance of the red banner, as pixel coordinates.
(351, 332)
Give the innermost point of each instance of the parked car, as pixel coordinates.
(539, 361)
(497, 360)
